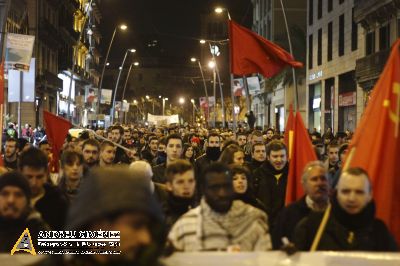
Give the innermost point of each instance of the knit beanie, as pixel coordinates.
(15, 179)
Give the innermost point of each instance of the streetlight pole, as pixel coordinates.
(163, 105)
(220, 87)
(117, 83)
(122, 27)
(205, 86)
(215, 96)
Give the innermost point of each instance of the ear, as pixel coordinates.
(169, 186)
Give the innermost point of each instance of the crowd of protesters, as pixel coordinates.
(184, 189)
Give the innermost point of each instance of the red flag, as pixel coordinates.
(251, 53)
(289, 129)
(302, 153)
(376, 143)
(56, 131)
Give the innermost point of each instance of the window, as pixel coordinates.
(354, 32)
(310, 52)
(310, 12)
(370, 43)
(319, 9)
(384, 37)
(330, 5)
(319, 56)
(329, 41)
(341, 35)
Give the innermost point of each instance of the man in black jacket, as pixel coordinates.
(181, 186)
(271, 178)
(351, 225)
(45, 198)
(15, 213)
(316, 189)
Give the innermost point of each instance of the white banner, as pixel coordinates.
(254, 85)
(203, 101)
(19, 49)
(162, 119)
(125, 107)
(106, 96)
(280, 258)
(28, 85)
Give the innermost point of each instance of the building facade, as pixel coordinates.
(271, 105)
(347, 46)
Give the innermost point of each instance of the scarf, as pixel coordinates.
(242, 225)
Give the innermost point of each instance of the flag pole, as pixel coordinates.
(233, 107)
(296, 98)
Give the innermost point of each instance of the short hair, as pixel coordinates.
(11, 139)
(120, 129)
(91, 142)
(241, 134)
(257, 133)
(275, 145)
(309, 166)
(333, 145)
(34, 158)
(69, 157)
(270, 129)
(358, 171)
(173, 136)
(228, 143)
(152, 138)
(216, 167)
(177, 167)
(105, 144)
(213, 134)
(163, 141)
(254, 146)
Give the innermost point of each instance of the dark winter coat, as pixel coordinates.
(359, 232)
(159, 173)
(269, 190)
(175, 207)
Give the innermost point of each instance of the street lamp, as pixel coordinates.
(194, 108)
(219, 10)
(117, 83)
(126, 82)
(163, 105)
(202, 41)
(211, 64)
(122, 27)
(181, 100)
(193, 59)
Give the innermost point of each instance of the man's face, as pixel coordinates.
(13, 202)
(73, 171)
(134, 233)
(256, 139)
(115, 135)
(333, 155)
(161, 147)
(10, 149)
(107, 155)
(127, 135)
(218, 192)
(174, 149)
(270, 134)
(316, 185)
(259, 153)
(90, 154)
(241, 140)
(36, 179)
(353, 193)
(46, 149)
(153, 145)
(183, 185)
(214, 141)
(278, 159)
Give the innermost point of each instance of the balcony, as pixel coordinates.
(370, 12)
(369, 68)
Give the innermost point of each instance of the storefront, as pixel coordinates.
(314, 103)
(347, 102)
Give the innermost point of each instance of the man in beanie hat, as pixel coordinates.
(15, 212)
(112, 199)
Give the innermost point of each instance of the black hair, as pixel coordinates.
(275, 145)
(173, 136)
(34, 158)
(215, 167)
(69, 157)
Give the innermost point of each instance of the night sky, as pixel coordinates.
(174, 24)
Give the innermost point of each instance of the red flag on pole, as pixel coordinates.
(289, 129)
(251, 53)
(56, 131)
(375, 146)
(302, 153)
